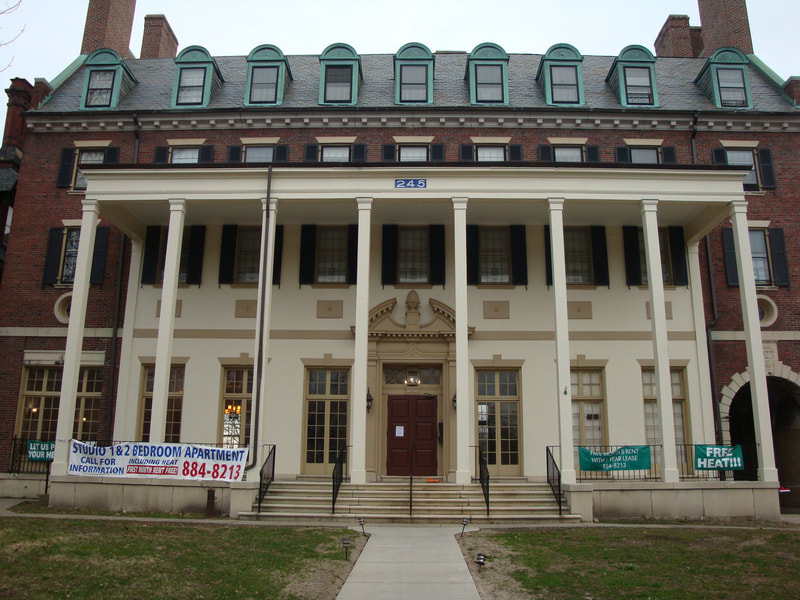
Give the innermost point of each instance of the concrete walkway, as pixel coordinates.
(410, 562)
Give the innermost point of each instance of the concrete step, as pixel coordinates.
(347, 520)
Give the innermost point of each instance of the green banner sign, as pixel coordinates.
(714, 458)
(627, 458)
(38, 450)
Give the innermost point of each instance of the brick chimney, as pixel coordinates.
(159, 40)
(108, 25)
(792, 89)
(725, 23)
(675, 39)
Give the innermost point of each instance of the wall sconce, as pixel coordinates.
(454, 401)
(565, 391)
(369, 401)
(412, 377)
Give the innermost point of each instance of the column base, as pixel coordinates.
(671, 476)
(568, 476)
(463, 477)
(61, 468)
(358, 476)
(768, 475)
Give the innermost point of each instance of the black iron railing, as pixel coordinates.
(554, 477)
(267, 474)
(338, 476)
(411, 480)
(19, 459)
(483, 475)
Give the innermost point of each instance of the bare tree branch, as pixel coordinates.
(10, 8)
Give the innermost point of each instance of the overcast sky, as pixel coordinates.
(54, 28)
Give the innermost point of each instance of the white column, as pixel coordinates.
(658, 314)
(563, 385)
(166, 321)
(358, 400)
(465, 404)
(701, 343)
(755, 350)
(269, 218)
(74, 347)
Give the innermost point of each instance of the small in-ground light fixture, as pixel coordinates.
(464, 524)
(480, 560)
(361, 522)
(345, 545)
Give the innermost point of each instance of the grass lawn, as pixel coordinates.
(646, 563)
(44, 558)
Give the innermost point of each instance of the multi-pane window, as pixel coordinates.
(191, 84)
(666, 262)
(331, 257)
(99, 91)
(587, 408)
(568, 153)
(578, 255)
(236, 405)
(69, 255)
(259, 154)
(644, 156)
(413, 153)
(564, 84)
(183, 266)
(248, 254)
(172, 430)
(744, 158)
(491, 153)
(335, 154)
(638, 87)
(264, 85)
(86, 157)
(185, 155)
(413, 83)
(87, 404)
(494, 255)
(489, 83)
(338, 84)
(759, 248)
(327, 394)
(652, 419)
(413, 255)
(731, 87)
(498, 419)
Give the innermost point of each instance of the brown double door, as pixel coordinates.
(412, 436)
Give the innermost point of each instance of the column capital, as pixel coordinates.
(91, 206)
(177, 204)
(364, 203)
(649, 205)
(271, 204)
(738, 207)
(555, 203)
(460, 203)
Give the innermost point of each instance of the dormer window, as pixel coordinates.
(196, 78)
(633, 77)
(108, 80)
(487, 73)
(724, 79)
(413, 74)
(340, 74)
(560, 75)
(268, 76)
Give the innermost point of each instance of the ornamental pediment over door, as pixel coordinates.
(383, 325)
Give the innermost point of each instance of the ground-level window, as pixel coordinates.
(588, 428)
(236, 406)
(172, 430)
(327, 395)
(652, 420)
(498, 420)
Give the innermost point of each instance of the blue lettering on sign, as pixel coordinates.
(411, 183)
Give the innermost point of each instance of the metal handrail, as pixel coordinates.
(338, 476)
(411, 481)
(267, 475)
(554, 477)
(483, 475)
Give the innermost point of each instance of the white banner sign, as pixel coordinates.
(168, 461)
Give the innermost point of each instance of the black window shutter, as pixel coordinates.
(766, 169)
(99, 256)
(389, 152)
(52, 258)
(206, 155)
(152, 244)
(227, 253)
(599, 255)
(359, 153)
(311, 153)
(437, 152)
(729, 251)
(436, 253)
(473, 255)
(352, 254)
(719, 156)
(668, 155)
(548, 256)
(65, 169)
(677, 250)
(633, 262)
(234, 154)
(593, 154)
(780, 263)
(622, 154)
(308, 251)
(545, 153)
(280, 153)
(389, 255)
(467, 152)
(519, 255)
(515, 152)
(276, 265)
(196, 245)
(111, 155)
(161, 155)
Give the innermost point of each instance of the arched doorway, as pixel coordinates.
(784, 406)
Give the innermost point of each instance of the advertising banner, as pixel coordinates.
(41, 451)
(714, 458)
(164, 461)
(627, 458)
